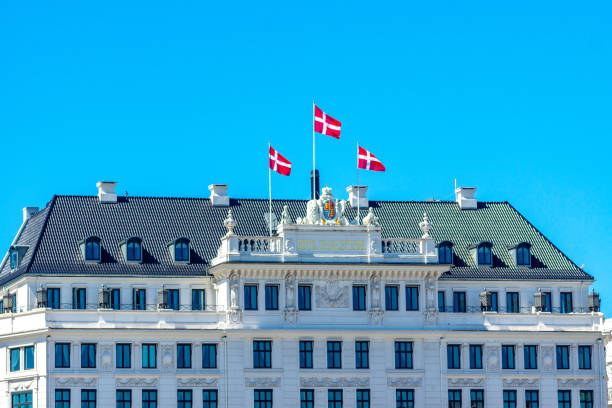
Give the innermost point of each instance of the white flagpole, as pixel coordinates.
(313, 150)
(269, 191)
(358, 192)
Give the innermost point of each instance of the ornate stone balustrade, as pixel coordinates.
(402, 246)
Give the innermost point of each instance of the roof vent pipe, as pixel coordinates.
(29, 212)
(106, 192)
(357, 196)
(218, 195)
(314, 184)
(465, 198)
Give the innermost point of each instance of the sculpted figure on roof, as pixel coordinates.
(327, 210)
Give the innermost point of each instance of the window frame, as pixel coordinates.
(54, 299)
(92, 249)
(263, 398)
(530, 360)
(207, 349)
(335, 398)
(562, 355)
(262, 354)
(585, 361)
(484, 253)
(271, 296)
(566, 302)
(584, 401)
(334, 354)
(530, 402)
(139, 299)
(453, 356)
(180, 246)
(513, 302)
(564, 398)
(133, 247)
(445, 253)
(412, 301)
(362, 397)
(508, 356)
(509, 398)
(455, 397)
(92, 362)
(391, 297)
(61, 355)
(523, 255)
(184, 398)
(404, 398)
(477, 398)
(207, 402)
(362, 356)
(123, 355)
(404, 354)
(86, 398)
(359, 298)
(304, 297)
(186, 362)
(198, 299)
(146, 351)
(306, 356)
(150, 401)
(126, 398)
(248, 287)
(64, 398)
(306, 398)
(442, 305)
(459, 301)
(475, 357)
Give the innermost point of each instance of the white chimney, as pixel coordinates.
(28, 212)
(465, 198)
(218, 195)
(106, 192)
(357, 196)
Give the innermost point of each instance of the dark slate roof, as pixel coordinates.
(53, 235)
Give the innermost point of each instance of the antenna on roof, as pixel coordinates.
(455, 183)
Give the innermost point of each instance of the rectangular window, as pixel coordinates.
(305, 354)
(477, 399)
(509, 398)
(88, 355)
(494, 302)
(15, 359)
(453, 356)
(508, 360)
(403, 354)
(21, 399)
(262, 398)
(88, 399)
(362, 359)
(586, 399)
(124, 398)
(441, 301)
(563, 358)
(262, 354)
(359, 297)
(210, 398)
(149, 398)
(304, 292)
(454, 398)
(334, 354)
(79, 298)
(532, 399)
(334, 398)
(459, 305)
(28, 357)
(62, 398)
(123, 355)
(62, 355)
(198, 299)
(391, 297)
(184, 399)
(547, 302)
(174, 299)
(412, 298)
(306, 398)
(149, 356)
(115, 299)
(475, 356)
(250, 297)
(139, 299)
(363, 398)
(566, 302)
(53, 298)
(183, 356)
(512, 302)
(584, 357)
(271, 297)
(404, 398)
(531, 357)
(564, 398)
(209, 356)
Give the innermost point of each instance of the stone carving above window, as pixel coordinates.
(334, 382)
(521, 382)
(575, 382)
(76, 381)
(136, 382)
(167, 356)
(262, 382)
(196, 381)
(465, 382)
(404, 381)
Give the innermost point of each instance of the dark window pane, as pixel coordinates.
(304, 292)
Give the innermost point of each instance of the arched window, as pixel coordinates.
(445, 253)
(181, 250)
(485, 257)
(134, 250)
(92, 249)
(523, 255)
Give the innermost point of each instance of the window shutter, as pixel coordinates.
(41, 297)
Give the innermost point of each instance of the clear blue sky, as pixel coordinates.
(166, 99)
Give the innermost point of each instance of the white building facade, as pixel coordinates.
(151, 302)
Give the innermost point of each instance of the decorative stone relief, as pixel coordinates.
(521, 382)
(234, 284)
(430, 294)
(262, 382)
(290, 316)
(20, 386)
(492, 357)
(167, 356)
(289, 246)
(136, 382)
(334, 382)
(375, 290)
(376, 316)
(575, 382)
(290, 290)
(465, 382)
(370, 219)
(404, 381)
(326, 210)
(547, 357)
(374, 246)
(332, 295)
(106, 357)
(76, 381)
(196, 381)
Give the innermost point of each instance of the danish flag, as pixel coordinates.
(366, 160)
(278, 163)
(325, 124)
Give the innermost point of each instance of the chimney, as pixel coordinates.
(218, 195)
(28, 212)
(314, 184)
(106, 192)
(357, 196)
(465, 198)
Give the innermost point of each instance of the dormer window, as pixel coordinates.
(90, 249)
(179, 250)
(132, 249)
(445, 253)
(16, 254)
(521, 254)
(485, 257)
(14, 259)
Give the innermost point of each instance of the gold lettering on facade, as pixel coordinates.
(330, 245)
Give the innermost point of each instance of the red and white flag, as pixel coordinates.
(366, 160)
(325, 124)
(278, 163)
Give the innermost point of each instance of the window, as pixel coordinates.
(149, 398)
(454, 398)
(523, 257)
(412, 298)
(134, 250)
(209, 398)
(512, 302)
(262, 398)
(363, 398)
(404, 398)
(62, 398)
(124, 398)
(92, 249)
(459, 302)
(262, 354)
(115, 299)
(304, 297)
(359, 297)
(509, 399)
(584, 357)
(53, 298)
(174, 300)
(531, 357)
(149, 356)
(62, 355)
(441, 301)
(14, 261)
(391, 295)
(403, 354)
(547, 302)
(508, 360)
(88, 399)
(183, 356)
(566, 302)
(484, 255)
(564, 398)
(494, 307)
(586, 399)
(79, 298)
(139, 299)
(477, 398)
(334, 354)
(209, 356)
(475, 356)
(184, 399)
(306, 398)
(123, 355)
(305, 354)
(334, 398)
(15, 359)
(181, 250)
(28, 357)
(22, 399)
(271, 297)
(250, 297)
(445, 253)
(532, 399)
(198, 299)
(88, 355)
(453, 356)
(362, 359)
(563, 357)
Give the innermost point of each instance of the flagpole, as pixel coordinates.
(270, 192)
(313, 151)
(358, 189)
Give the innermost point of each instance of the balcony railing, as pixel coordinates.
(150, 307)
(504, 310)
(402, 246)
(259, 245)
